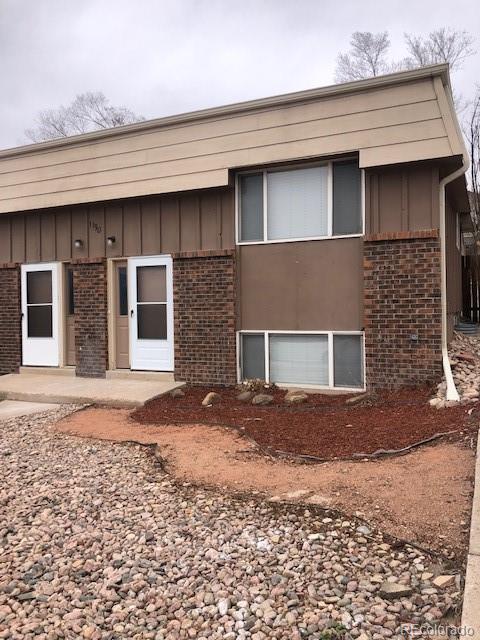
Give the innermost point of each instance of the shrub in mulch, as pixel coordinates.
(325, 426)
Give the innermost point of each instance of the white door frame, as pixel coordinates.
(42, 352)
(150, 355)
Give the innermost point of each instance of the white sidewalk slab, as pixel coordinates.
(471, 598)
(41, 387)
(15, 408)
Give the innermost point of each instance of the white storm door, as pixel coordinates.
(150, 295)
(40, 315)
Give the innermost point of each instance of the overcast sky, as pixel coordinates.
(160, 57)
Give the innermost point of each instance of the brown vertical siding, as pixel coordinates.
(196, 221)
(401, 198)
(47, 236)
(454, 268)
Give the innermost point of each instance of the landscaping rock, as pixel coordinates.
(464, 354)
(245, 396)
(211, 398)
(393, 590)
(262, 399)
(367, 398)
(177, 393)
(442, 582)
(131, 553)
(295, 396)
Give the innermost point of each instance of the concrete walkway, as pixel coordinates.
(15, 408)
(471, 599)
(42, 387)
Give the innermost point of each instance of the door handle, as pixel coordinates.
(131, 313)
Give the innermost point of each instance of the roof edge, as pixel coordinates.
(437, 70)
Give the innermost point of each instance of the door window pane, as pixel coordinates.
(152, 321)
(122, 292)
(299, 359)
(39, 321)
(297, 203)
(347, 209)
(253, 356)
(348, 361)
(39, 287)
(251, 206)
(152, 284)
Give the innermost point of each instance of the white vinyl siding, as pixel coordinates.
(325, 359)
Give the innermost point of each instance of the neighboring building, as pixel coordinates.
(296, 238)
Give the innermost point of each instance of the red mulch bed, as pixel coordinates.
(324, 426)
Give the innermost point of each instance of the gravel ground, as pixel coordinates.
(97, 542)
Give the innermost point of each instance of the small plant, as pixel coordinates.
(336, 632)
(257, 385)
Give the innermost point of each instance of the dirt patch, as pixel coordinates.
(424, 496)
(324, 426)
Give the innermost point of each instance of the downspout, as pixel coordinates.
(452, 393)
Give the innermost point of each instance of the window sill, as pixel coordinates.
(313, 238)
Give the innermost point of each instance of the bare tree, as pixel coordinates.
(472, 133)
(88, 112)
(367, 57)
(443, 45)
(473, 136)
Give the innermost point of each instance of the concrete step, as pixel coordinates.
(49, 371)
(35, 387)
(151, 376)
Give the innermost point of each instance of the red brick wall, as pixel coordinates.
(91, 342)
(402, 300)
(10, 320)
(204, 312)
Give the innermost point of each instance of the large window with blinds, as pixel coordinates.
(300, 204)
(330, 359)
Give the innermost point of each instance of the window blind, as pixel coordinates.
(299, 359)
(297, 203)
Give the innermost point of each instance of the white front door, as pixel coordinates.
(40, 315)
(150, 294)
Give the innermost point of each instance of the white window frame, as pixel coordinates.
(331, 373)
(265, 172)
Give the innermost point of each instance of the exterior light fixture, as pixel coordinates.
(78, 244)
(111, 240)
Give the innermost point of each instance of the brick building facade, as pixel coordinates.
(91, 342)
(204, 311)
(294, 238)
(402, 309)
(10, 319)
